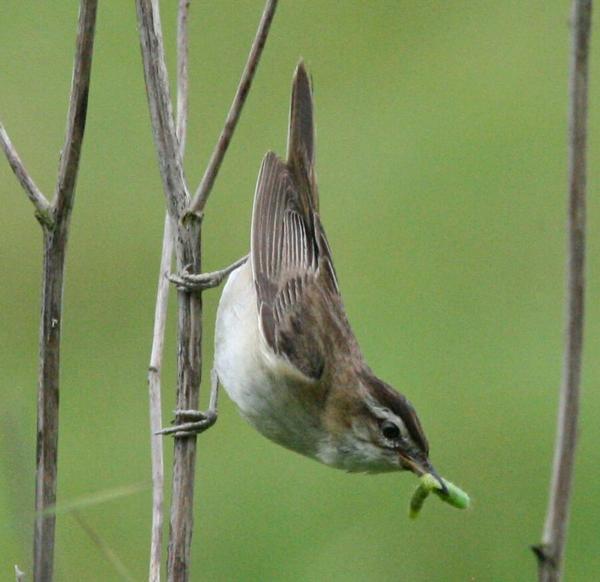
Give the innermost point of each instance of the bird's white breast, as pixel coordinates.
(266, 388)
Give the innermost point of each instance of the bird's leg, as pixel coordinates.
(197, 282)
(193, 422)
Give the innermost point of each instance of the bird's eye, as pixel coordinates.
(390, 431)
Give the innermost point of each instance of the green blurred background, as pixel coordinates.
(442, 168)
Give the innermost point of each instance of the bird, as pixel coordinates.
(284, 349)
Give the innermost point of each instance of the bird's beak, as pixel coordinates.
(422, 467)
(434, 474)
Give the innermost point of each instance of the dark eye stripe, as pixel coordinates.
(415, 430)
(401, 408)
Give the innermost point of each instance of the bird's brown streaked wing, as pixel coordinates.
(327, 274)
(288, 264)
(284, 244)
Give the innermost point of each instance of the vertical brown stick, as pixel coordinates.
(550, 551)
(189, 372)
(55, 245)
(169, 146)
(187, 251)
(189, 353)
(55, 218)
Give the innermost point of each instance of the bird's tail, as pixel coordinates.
(301, 134)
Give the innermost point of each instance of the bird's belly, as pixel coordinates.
(267, 394)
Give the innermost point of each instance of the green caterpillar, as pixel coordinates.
(455, 496)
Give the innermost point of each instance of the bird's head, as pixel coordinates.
(380, 431)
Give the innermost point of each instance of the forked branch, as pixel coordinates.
(170, 148)
(54, 219)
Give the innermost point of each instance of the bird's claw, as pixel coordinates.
(190, 423)
(198, 282)
(192, 282)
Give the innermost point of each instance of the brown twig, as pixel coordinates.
(42, 206)
(54, 219)
(161, 109)
(187, 250)
(169, 145)
(216, 158)
(550, 551)
(76, 117)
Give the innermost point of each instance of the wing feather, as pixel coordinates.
(289, 262)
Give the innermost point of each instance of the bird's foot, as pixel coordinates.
(190, 423)
(198, 282)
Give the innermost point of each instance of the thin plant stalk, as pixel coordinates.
(550, 552)
(187, 244)
(160, 316)
(187, 249)
(55, 218)
(154, 389)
